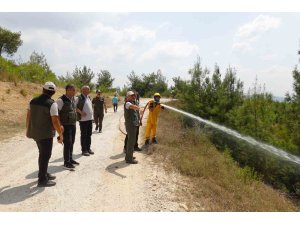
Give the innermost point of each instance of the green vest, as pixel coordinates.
(98, 103)
(67, 114)
(40, 123)
(131, 117)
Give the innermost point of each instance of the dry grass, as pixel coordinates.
(14, 103)
(212, 180)
(9, 77)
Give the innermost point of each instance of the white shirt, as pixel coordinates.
(53, 109)
(128, 104)
(60, 102)
(87, 108)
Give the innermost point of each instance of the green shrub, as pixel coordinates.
(23, 92)
(248, 174)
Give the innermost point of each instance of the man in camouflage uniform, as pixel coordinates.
(99, 106)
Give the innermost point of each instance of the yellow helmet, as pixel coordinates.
(156, 94)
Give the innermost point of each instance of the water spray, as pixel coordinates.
(262, 146)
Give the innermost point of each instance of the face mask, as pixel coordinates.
(156, 99)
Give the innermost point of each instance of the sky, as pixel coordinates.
(258, 45)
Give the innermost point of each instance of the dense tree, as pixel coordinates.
(105, 80)
(83, 76)
(9, 41)
(295, 109)
(255, 114)
(210, 97)
(136, 83)
(148, 84)
(296, 86)
(37, 69)
(39, 59)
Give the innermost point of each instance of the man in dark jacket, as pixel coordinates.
(99, 106)
(67, 116)
(136, 146)
(41, 122)
(132, 122)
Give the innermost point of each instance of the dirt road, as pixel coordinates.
(102, 182)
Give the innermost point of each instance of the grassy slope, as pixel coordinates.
(212, 180)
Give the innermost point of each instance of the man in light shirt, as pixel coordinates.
(85, 116)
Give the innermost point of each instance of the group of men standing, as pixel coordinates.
(44, 116)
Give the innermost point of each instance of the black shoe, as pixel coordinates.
(96, 128)
(100, 131)
(74, 162)
(47, 183)
(137, 149)
(85, 153)
(69, 166)
(133, 161)
(147, 142)
(90, 152)
(154, 141)
(51, 177)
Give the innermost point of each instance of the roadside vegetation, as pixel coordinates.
(222, 99)
(212, 177)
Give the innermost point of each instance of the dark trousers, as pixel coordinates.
(115, 107)
(86, 128)
(131, 132)
(98, 118)
(136, 142)
(45, 151)
(69, 139)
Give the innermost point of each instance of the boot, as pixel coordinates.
(154, 140)
(147, 142)
(133, 161)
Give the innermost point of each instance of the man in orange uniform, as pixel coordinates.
(154, 107)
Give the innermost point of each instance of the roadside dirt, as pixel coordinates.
(14, 98)
(102, 182)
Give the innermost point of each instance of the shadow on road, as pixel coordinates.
(19, 193)
(115, 166)
(62, 159)
(119, 156)
(51, 170)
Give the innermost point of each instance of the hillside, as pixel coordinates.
(14, 99)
